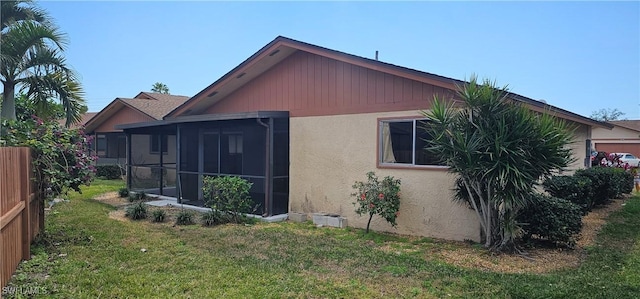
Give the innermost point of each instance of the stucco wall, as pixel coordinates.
(329, 153)
(618, 139)
(579, 145)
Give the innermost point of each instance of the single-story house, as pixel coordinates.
(110, 143)
(84, 118)
(624, 137)
(303, 123)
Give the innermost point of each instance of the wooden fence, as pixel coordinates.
(21, 211)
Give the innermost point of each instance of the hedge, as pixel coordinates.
(109, 172)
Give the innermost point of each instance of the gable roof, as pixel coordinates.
(627, 124)
(83, 120)
(153, 105)
(282, 47)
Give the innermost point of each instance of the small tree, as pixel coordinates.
(499, 149)
(378, 198)
(607, 114)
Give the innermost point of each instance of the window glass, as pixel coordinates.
(155, 143)
(404, 142)
(101, 145)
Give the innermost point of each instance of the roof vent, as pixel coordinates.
(240, 76)
(212, 94)
(274, 52)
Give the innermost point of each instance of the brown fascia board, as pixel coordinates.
(98, 118)
(623, 125)
(142, 92)
(184, 106)
(568, 114)
(393, 69)
(341, 56)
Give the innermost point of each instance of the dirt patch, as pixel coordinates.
(537, 260)
(112, 198)
(118, 215)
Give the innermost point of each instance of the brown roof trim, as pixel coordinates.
(115, 105)
(400, 71)
(626, 124)
(206, 117)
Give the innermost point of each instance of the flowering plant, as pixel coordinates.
(375, 197)
(61, 156)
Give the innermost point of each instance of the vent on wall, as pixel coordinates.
(274, 52)
(213, 94)
(240, 76)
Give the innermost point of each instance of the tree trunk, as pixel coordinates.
(8, 102)
(369, 222)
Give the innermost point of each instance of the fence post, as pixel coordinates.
(25, 195)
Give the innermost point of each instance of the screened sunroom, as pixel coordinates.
(171, 157)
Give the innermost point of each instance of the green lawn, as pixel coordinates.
(85, 254)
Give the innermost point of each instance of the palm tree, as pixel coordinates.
(494, 145)
(31, 59)
(13, 11)
(160, 88)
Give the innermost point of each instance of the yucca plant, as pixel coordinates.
(159, 215)
(184, 217)
(123, 192)
(499, 149)
(137, 211)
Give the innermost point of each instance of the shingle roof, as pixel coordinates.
(85, 118)
(156, 105)
(629, 124)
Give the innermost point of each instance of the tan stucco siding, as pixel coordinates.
(330, 153)
(579, 145)
(619, 139)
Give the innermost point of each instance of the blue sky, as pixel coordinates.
(580, 56)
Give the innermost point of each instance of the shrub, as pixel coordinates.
(576, 189)
(109, 172)
(138, 195)
(378, 198)
(184, 218)
(137, 211)
(214, 217)
(228, 194)
(607, 183)
(123, 192)
(132, 197)
(60, 155)
(551, 218)
(159, 215)
(624, 182)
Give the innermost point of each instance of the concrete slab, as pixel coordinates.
(168, 201)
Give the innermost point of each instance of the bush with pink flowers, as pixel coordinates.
(375, 197)
(61, 156)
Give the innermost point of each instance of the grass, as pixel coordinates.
(85, 254)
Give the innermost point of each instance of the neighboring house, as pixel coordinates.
(110, 143)
(303, 123)
(83, 120)
(623, 138)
